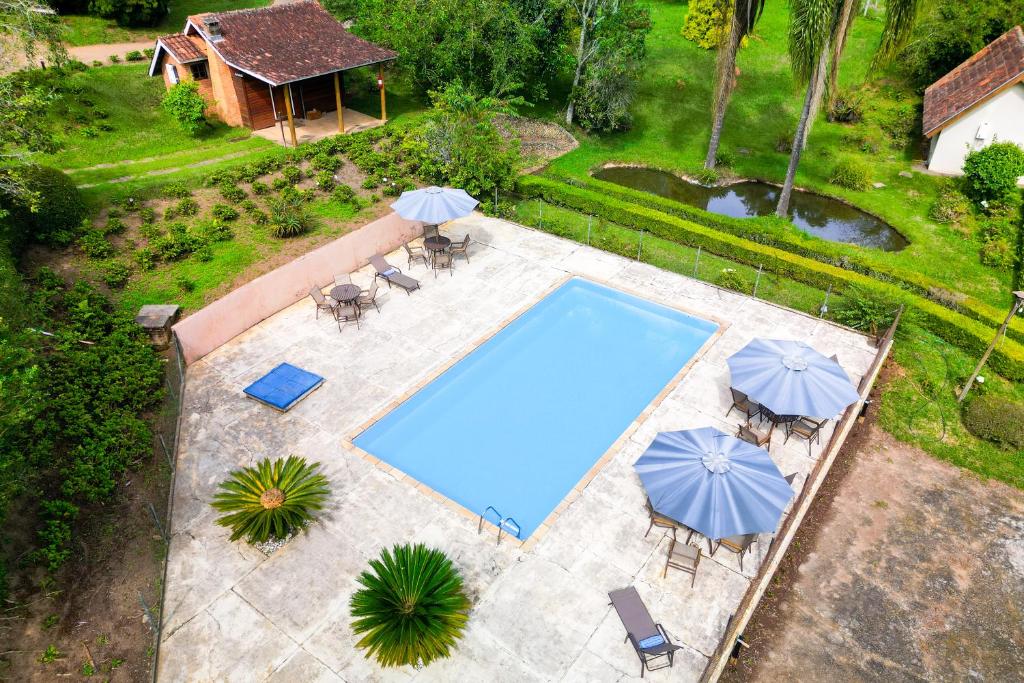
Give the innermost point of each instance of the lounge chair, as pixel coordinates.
(460, 248)
(663, 522)
(746, 406)
(736, 544)
(415, 253)
(323, 303)
(684, 557)
(648, 638)
(806, 428)
(342, 279)
(393, 275)
(441, 260)
(368, 297)
(344, 314)
(756, 436)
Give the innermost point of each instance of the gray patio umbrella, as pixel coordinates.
(791, 378)
(434, 205)
(713, 483)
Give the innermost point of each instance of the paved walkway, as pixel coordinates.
(539, 614)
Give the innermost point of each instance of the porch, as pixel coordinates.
(311, 130)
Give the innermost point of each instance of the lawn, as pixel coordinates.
(672, 124)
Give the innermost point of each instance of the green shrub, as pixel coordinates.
(203, 254)
(343, 194)
(272, 499)
(706, 23)
(186, 207)
(292, 174)
(730, 279)
(259, 217)
(412, 608)
(279, 184)
(322, 161)
(134, 56)
(54, 219)
(115, 59)
(990, 173)
(148, 52)
(176, 191)
(853, 174)
(95, 244)
(951, 206)
(97, 62)
(186, 105)
(223, 212)
(707, 176)
(291, 218)
(185, 283)
(147, 214)
(178, 243)
(116, 274)
(259, 188)
(867, 311)
(146, 258)
(998, 253)
(214, 230)
(231, 192)
(325, 181)
(150, 231)
(847, 107)
(997, 419)
(114, 226)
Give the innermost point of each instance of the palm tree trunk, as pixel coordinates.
(803, 128)
(570, 110)
(725, 83)
(842, 33)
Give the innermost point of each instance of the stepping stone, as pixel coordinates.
(878, 186)
(906, 174)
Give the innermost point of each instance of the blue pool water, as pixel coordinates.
(519, 421)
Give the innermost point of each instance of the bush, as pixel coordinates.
(97, 62)
(186, 207)
(706, 23)
(148, 52)
(411, 609)
(290, 218)
(866, 311)
(707, 176)
(848, 107)
(998, 253)
(147, 214)
(116, 274)
(185, 283)
(232, 192)
(176, 191)
(223, 212)
(343, 194)
(114, 59)
(853, 174)
(55, 218)
(323, 161)
(132, 13)
(325, 181)
(990, 174)
(214, 230)
(292, 174)
(259, 188)
(951, 206)
(730, 279)
(278, 184)
(186, 106)
(178, 243)
(114, 226)
(134, 56)
(997, 419)
(271, 500)
(95, 244)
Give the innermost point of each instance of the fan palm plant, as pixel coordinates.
(271, 499)
(411, 609)
(817, 34)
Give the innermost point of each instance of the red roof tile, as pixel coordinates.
(183, 48)
(288, 42)
(997, 65)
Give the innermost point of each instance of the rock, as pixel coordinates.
(878, 186)
(906, 174)
(743, 151)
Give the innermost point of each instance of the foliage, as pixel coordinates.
(259, 188)
(184, 103)
(851, 173)
(999, 235)
(866, 311)
(130, 12)
(289, 217)
(847, 107)
(134, 56)
(951, 206)
(707, 176)
(292, 174)
(730, 279)
(176, 190)
(116, 274)
(186, 206)
(177, 243)
(412, 608)
(997, 419)
(272, 499)
(223, 212)
(50, 214)
(707, 22)
(95, 244)
(322, 161)
(990, 173)
(325, 181)
(232, 192)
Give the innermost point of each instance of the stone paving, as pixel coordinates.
(538, 614)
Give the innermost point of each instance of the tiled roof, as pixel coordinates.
(288, 42)
(183, 48)
(997, 65)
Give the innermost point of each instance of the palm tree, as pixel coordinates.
(272, 499)
(817, 34)
(745, 14)
(411, 609)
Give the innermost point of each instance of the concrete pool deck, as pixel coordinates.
(540, 612)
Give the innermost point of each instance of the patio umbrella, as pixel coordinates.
(713, 483)
(434, 205)
(791, 378)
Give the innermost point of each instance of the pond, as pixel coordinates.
(825, 217)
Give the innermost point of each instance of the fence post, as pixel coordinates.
(540, 219)
(495, 200)
(696, 262)
(757, 280)
(824, 306)
(640, 247)
(590, 221)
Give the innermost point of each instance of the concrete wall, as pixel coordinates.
(229, 316)
(1004, 115)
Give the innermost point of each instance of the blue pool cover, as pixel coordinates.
(284, 386)
(517, 423)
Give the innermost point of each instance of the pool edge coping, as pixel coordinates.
(348, 442)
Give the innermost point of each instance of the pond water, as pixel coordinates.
(825, 217)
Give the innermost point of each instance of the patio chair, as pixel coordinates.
(746, 406)
(663, 522)
(342, 279)
(684, 557)
(441, 260)
(393, 275)
(806, 428)
(735, 544)
(460, 248)
(415, 253)
(430, 231)
(755, 436)
(323, 303)
(368, 297)
(649, 639)
(344, 314)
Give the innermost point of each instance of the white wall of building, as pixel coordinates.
(1000, 119)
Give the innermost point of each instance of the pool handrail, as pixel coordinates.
(505, 524)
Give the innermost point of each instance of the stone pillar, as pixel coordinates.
(157, 320)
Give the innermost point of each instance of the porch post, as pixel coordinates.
(337, 99)
(383, 103)
(288, 110)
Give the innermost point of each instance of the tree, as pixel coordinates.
(412, 609)
(707, 22)
(815, 27)
(49, 214)
(130, 12)
(745, 14)
(186, 105)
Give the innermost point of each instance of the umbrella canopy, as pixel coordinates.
(713, 483)
(791, 378)
(434, 205)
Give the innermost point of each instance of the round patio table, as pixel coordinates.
(436, 243)
(346, 294)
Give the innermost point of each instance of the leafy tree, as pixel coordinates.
(50, 214)
(741, 22)
(991, 173)
(707, 22)
(186, 105)
(130, 12)
(412, 608)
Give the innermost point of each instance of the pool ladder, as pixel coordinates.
(505, 525)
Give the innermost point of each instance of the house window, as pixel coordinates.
(172, 74)
(199, 71)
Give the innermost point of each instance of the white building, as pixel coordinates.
(978, 103)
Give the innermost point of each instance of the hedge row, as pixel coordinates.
(778, 232)
(955, 328)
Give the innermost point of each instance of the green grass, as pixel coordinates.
(672, 125)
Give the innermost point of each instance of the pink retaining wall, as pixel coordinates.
(229, 316)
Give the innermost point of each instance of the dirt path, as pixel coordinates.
(102, 52)
(908, 569)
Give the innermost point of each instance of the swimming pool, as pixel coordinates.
(517, 423)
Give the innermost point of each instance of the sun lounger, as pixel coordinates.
(648, 638)
(393, 275)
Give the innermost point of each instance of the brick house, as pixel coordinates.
(259, 67)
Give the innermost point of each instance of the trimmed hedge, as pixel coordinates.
(955, 328)
(780, 233)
